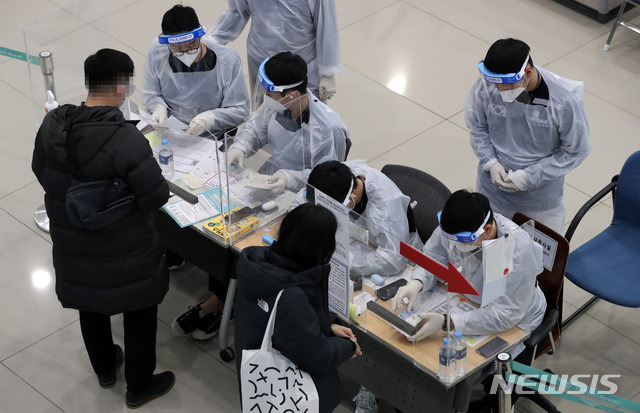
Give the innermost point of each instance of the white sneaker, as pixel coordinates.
(366, 401)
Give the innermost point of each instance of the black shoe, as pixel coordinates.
(160, 385)
(208, 326)
(187, 322)
(108, 380)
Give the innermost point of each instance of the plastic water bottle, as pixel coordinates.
(51, 103)
(166, 160)
(447, 371)
(460, 346)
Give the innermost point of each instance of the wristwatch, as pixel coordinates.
(444, 323)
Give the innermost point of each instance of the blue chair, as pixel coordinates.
(608, 265)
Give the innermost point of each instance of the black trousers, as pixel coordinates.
(140, 329)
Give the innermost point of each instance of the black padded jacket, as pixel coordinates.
(119, 267)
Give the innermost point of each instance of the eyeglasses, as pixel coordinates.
(177, 52)
(192, 51)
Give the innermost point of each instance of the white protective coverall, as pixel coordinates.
(546, 142)
(385, 219)
(296, 149)
(188, 94)
(307, 28)
(523, 303)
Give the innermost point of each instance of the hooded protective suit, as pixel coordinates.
(307, 28)
(221, 90)
(545, 142)
(523, 303)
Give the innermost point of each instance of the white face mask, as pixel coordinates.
(463, 247)
(511, 94)
(271, 104)
(187, 58)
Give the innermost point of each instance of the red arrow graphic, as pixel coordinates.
(457, 283)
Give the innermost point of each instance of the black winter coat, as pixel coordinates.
(302, 331)
(119, 267)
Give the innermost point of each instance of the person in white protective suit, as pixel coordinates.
(302, 131)
(194, 79)
(528, 128)
(381, 209)
(466, 222)
(307, 28)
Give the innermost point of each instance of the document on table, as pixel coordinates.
(170, 123)
(186, 214)
(189, 152)
(459, 305)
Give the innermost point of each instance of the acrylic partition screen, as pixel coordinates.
(486, 269)
(267, 161)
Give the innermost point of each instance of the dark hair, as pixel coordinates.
(465, 211)
(287, 68)
(507, 56)
(180, 19)
(105, 68)
(308, 235)
(332, 178)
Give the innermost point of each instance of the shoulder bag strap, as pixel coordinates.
(266, 340)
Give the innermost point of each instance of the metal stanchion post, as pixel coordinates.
(504, 389)
(46, 67)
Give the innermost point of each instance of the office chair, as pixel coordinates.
(607, 265)
(547, 335)
(621, 23)
(429, 193)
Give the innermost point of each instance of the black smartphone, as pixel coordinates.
(388, 291)
(492, 347)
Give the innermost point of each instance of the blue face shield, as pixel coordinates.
(182, 37)
(465, 236)
(502, 78)
(268, 85)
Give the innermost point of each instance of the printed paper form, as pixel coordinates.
(186, 214)
(188, 151)
(170, 123)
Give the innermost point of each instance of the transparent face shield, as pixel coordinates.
(185, 47)
(281, 129)
(265, 88)
(510, 86)
(466, 241)
(488, 267)
(178, 85)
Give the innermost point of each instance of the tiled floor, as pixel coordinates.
(408, 65)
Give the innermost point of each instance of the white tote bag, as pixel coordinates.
(272, 383)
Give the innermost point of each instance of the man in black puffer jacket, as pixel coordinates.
(117, 268)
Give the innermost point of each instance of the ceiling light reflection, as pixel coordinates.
(398, 84)
(40, 279)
